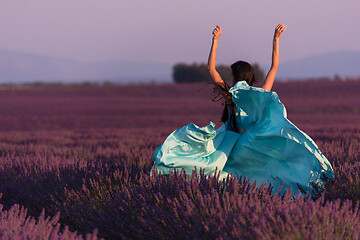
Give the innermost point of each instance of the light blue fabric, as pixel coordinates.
(269, 148)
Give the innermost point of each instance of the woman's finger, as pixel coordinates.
(280, 28)
(218, 28)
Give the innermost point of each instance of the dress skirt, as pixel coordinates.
(269, 148)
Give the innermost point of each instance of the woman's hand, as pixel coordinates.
(217, 33)
(270, 77)
(279, 30)
(218, 81)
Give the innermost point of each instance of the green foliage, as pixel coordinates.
(259, 73)
(185, 73)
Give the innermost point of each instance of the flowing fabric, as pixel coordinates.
(269, 148)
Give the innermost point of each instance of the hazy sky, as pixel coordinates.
(167, 31)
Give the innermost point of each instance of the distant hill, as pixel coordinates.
(343, 64)
(17, 67)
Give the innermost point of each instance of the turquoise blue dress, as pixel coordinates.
(269, 148)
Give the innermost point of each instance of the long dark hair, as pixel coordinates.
(241, 71)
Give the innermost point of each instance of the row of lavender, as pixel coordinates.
(95, 175)
(309, 104)
(101, 181)
(16, 224)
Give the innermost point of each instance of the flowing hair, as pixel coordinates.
(241, 71)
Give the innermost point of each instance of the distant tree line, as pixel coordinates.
(189, 73)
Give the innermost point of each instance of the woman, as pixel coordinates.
(256, 140)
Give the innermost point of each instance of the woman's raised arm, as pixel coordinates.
(270, 77)
(218, 81)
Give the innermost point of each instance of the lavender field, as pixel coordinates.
(75, 163)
